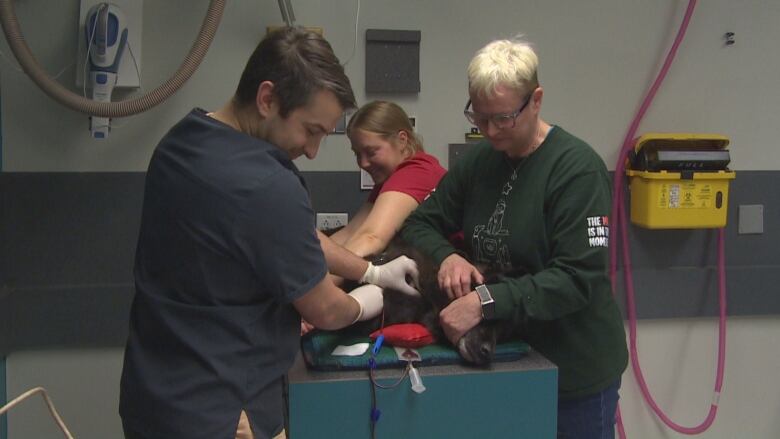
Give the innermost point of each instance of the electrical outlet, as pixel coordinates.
(327, 221)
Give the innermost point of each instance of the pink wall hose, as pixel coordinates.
(619, 220)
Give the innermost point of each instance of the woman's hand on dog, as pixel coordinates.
(456, 275)
(460, 316)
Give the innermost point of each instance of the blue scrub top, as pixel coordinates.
(227, 242)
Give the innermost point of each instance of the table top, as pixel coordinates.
(532, 361)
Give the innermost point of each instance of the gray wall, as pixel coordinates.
(70, 241)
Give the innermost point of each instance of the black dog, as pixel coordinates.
(477, 346)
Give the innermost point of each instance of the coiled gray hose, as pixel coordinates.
(109, 109)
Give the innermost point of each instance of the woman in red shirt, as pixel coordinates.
(386, 147)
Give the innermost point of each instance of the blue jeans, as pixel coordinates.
(589, 417)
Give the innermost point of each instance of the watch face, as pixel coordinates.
(484, 293)
(488, 304)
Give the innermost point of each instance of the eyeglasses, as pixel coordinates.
(500, 121)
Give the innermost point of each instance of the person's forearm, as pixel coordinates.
(340, 237)
(340, 314)
(327, 307)
(365, 244)
(376, 226)
(341, 261)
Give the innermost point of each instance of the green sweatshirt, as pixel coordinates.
(548, 214)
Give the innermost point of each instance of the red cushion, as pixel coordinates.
(405, 335)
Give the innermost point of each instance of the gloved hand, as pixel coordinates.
(370, 299)
(394, 275)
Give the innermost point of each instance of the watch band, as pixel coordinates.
(487, 302)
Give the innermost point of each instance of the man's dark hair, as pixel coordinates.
(300, 63)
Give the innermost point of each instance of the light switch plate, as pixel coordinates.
(366, 182)
(751, 219)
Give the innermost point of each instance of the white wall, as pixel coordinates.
(83, 384)
(598, 58)
(679, 361)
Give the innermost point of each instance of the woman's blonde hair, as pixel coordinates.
(386, 119)
(511, 63)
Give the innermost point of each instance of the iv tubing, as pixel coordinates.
(619, 218)
(56, 91)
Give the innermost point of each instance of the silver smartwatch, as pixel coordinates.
(488, 304)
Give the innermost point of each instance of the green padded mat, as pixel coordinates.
(318, 345)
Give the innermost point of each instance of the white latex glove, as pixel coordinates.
(370, 299)
(393, 275)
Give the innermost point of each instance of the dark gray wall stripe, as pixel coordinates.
(335, 192)
(68, 241)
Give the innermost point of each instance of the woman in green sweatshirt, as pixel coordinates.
(531, 196)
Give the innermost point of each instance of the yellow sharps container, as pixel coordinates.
(679, 181)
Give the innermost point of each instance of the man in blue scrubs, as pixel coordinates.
(228, 258)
